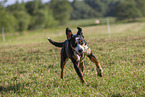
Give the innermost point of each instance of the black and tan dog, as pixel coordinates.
(75, 48)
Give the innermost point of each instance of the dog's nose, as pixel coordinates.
(80, 50)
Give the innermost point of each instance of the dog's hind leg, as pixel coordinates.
(63, 62)
(76, 66)
(99, 69)
(62, 67)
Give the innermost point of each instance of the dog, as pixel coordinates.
(76, 48)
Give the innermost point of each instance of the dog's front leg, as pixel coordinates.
(64, 59)
(99, 69)
(76, 66)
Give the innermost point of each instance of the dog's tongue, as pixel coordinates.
(82, 55)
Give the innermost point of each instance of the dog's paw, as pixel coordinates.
(100, 72)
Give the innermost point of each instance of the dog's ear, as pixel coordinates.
(80, 31)
(69, 33)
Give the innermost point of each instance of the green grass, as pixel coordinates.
(90, 22)
(30, 65)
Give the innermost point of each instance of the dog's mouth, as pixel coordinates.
(78, 52)
(82, 54)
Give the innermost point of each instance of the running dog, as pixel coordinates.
(76, 48)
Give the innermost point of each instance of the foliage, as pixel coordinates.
(61, 10)
(42, 20)
(22, 17)
(33, 6)
(111, 8)
(98, 6)
(2, 2)
(23, 20)
(41, 16)
(140, 4)
(82, 11)
(127, 10)
(7, 20)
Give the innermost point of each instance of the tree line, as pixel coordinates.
(36, 15)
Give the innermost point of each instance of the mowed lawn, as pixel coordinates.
(30, 65)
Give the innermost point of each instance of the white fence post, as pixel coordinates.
(108, 25)
(3, 34)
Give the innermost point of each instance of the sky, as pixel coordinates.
(10, 2)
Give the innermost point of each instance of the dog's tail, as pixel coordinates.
(57, 44)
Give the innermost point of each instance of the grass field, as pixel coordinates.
(30, 65)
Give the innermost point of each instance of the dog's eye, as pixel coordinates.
(75, 44)
(80, 42)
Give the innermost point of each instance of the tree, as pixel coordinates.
(43, 19)
(23, 20)
(33, 6)
(22, 17)
(127, 10)
(98, 6)
(140, 4)
(111, 5)
(61, 10)
(7, 21)
(41, 15)
(2, 3)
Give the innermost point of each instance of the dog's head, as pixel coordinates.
(76, 41)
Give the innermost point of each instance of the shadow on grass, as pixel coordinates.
(95, 86)
(14, 88)
(116, 95)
